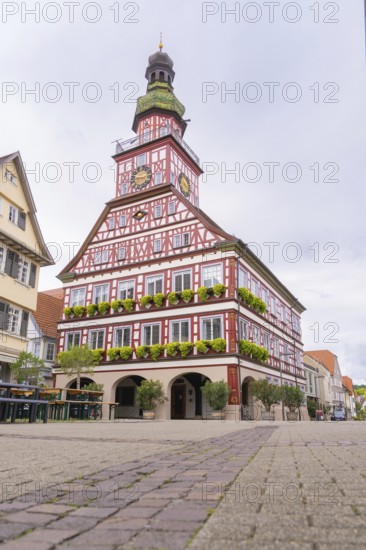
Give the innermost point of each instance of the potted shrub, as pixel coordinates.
(219, 345)
(259, 305)
(79, 311)
(202, 346)
(92, 309)
(268, 394)
(217, 394)
(172, 348)
(187, 295)
(103, 307)
(69, 312)
(218, 289)
(146, 301)
(113, 354)
(142, 351)
(173, 298)
(159, 299)
(126, 352)
(117, 305)
(149, 395)
(98, 354)
(204, 293)
(246, 296)
(293, 398)
(186, 348)
(156, 350)
(129, 304)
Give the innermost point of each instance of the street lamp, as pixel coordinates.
(283, 355)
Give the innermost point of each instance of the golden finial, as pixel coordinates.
(161, 45)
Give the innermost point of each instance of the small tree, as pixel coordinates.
(292, 397)
(26, 369)
(77, 361)
(267, 393)
(93, 386)
(150, 394)
(312, 407)
(216, 393)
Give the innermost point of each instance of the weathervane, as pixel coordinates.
(161, 45)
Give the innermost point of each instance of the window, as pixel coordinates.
(243, 278)
(158, 211)
(256, 335)
(146, 135)
(151, 335)
(121, 254)
(13, 320)
(243, 330)
(73, 339)
(181, 240)
(284, 314)
(37, 348)
(124, 189)
(163, 131)
(96, 339)
(265, 296)
(172, 177)
(211, 328)
(50, 351)
(266, 341)
(10, 177)
(101, 294)
(122, 337)
(141, 159)
(276, 348)
(111, 222)
(158, 178)
(171, 208)
(179, 331)
(77, 297)
(23, 271)
(182, 281)
(26, 271)
(126, 289)
(154, 285)
(273, 306)
(13, 214)
(101, 257)
(122, 220)
(212, 275)
(254, 287)
(2, 257)
(157, 245)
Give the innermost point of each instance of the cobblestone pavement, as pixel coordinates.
(248, 485)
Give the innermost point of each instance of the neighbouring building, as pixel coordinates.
(334, 391)
(22, 253)
(349, 397)
(319, 382)
(152, 239)
(42, 330)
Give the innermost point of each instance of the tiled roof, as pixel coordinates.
(48, 313)
(55, 292)
(325, 357)
(347, 382)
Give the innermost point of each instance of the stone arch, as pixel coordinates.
(162, 76)
(186, 398)
(124, 391)
(84, 381)
(247, 399)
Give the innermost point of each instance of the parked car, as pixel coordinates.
(338, 415)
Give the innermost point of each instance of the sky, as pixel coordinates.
(275, 92)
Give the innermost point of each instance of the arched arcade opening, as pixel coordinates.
(125, 396)
(186, 398)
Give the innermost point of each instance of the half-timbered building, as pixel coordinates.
(155, 270)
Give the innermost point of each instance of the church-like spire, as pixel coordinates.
(161, 45)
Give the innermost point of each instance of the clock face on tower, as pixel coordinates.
(140, 177)
(184, 185)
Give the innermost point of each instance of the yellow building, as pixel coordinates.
(22, 253)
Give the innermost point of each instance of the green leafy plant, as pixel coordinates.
(218, 289)
(92, 309)
(93, 386)
(98, 354)
(293, 398)
(27, 369)
(68, 311)
(173, 298)
(129, 304)
(203, 293)
(187, 295)
(156, 350)
(150, 394)
(141, 351)
(146, 300)
(126, 352)
(311, 406)
(113, 354)
(202, 346)
(252, 301)
(103, 307)
(268, 394)
(77, 361)
(79, 311)
(259, 305)
(159, 299)
(253, 350)
(186, 348)
(219, 345)
(116, 305)
(216, 393)
(172, 348)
